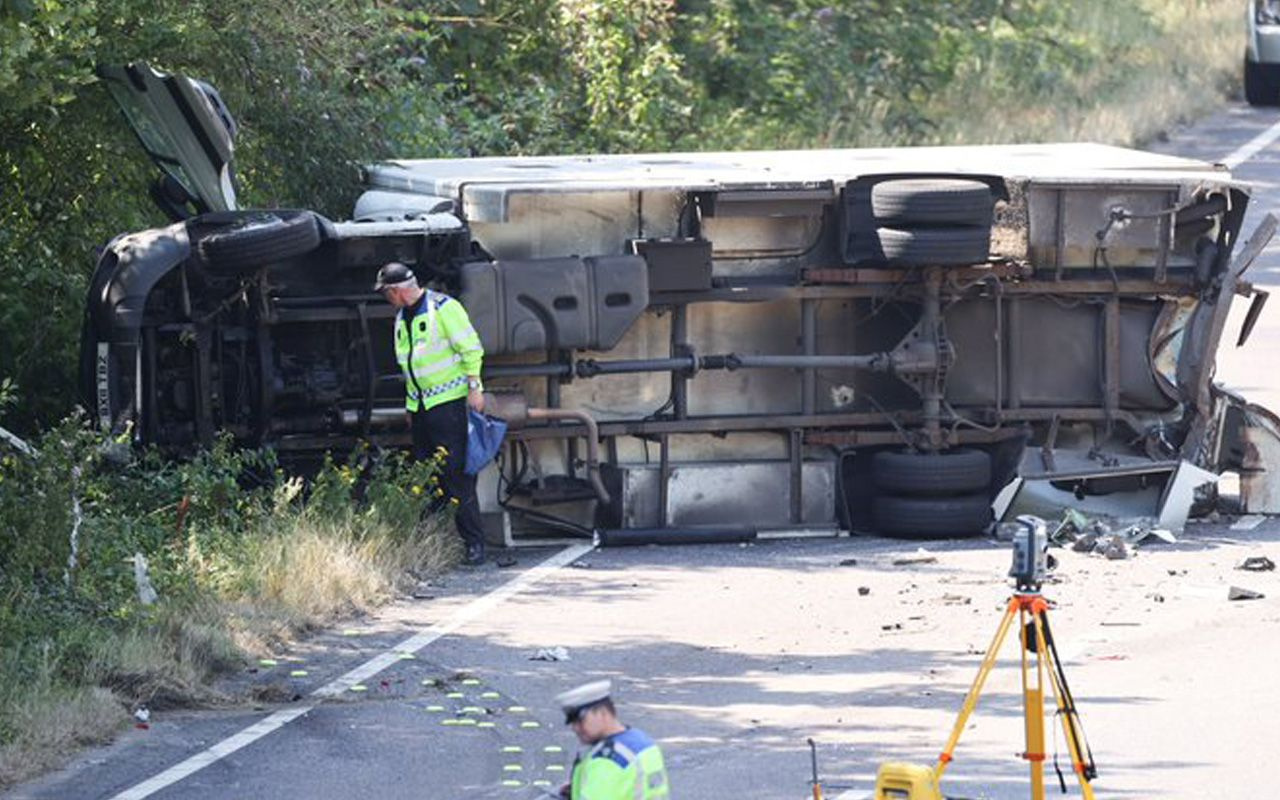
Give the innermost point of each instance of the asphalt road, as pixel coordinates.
(733, 656)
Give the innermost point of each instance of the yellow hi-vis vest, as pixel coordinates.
(627, 766)
(438, 354)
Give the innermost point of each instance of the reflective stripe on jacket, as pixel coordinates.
(627, 766)
(438, 354)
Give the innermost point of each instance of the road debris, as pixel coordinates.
(1159, 496)
(1248, 522)
(1240, 593)
(1257, 564)
(863, 591)
(922, 556)
(550, 654)
(1116, 549)
(1113, 539)
(1086, 543)
(1073, 524)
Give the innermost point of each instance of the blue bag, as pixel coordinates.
(484, 437)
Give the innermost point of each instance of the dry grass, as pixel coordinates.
(53, 724)
(306, 575)
(1164, 78)
(323, 570)
(168, 664)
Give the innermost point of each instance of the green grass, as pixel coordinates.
(244, 559)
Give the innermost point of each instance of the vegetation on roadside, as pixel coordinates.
(320, 86)
(130, 580)
(241, 555)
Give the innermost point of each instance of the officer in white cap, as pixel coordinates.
(623, 763)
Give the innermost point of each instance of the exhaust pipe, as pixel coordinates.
(593, 443)
(513, 408)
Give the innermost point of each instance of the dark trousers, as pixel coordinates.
(445, 426)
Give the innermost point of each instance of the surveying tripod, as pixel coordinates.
(1032, 611)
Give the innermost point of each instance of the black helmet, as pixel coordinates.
(394, 275)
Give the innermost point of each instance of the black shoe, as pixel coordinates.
(475, 554)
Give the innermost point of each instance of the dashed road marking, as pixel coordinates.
(471, 611)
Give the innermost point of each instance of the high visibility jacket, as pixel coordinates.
(436, 351)
(627, 766)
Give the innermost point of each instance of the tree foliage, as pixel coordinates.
(320, 86)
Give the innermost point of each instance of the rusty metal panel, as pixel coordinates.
(1065, 223)
(1058, 361)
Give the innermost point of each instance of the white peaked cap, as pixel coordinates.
(584, 695)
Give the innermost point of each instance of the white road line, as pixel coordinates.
(361, 673)
(1252, 147)
(218, 751)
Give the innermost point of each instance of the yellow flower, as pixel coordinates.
(439, 492)
(453, 500)
(417, 490)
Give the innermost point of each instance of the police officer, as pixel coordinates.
(623, 763)
(440, 355)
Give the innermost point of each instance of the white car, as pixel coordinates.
(1262, 54)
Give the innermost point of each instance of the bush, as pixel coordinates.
(241, 554)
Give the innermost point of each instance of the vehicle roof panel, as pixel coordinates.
(1065, 163)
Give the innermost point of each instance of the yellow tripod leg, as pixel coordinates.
(971, 699)
(1077, 758)
(1033, 709)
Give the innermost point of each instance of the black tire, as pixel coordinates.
(954, 472)
(932, 517)
(248, 241)
(1260, 85)
(932, 201)
(946, 246)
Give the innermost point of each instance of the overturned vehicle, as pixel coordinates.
(701, 345)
